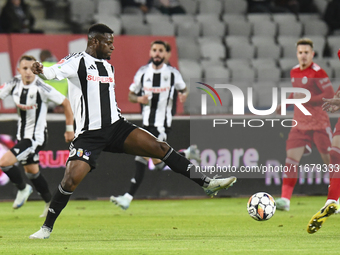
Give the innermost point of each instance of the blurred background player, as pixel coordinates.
(31, 96)
(6, 142)
(47, 59)
(153, 87)
(311, 129)
(332, 203)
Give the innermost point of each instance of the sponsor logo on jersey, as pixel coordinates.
(80, 152)
(156, 90)
(2, 85)
(87, 153)
(99, 78)
(85, 157)
(92, 67)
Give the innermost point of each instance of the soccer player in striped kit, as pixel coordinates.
(100, 125)
(154, 87)
(31, 96)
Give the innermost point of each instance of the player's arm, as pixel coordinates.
(69, 133)
(5, 89)
(136, 87)
(325, 86)
(180, 86)
(134, 98)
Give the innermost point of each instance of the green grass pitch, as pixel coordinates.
(203, 226)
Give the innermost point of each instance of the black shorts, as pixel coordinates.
(160, 132)
(88, 145)
(27, 151)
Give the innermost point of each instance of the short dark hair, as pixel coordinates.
(99, 29)
(159, 42)
(27, 57)
(305, 41)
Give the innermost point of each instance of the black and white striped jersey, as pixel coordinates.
(159, 85)
(32, 105)
(90, 90)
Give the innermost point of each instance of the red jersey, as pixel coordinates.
(316, 80)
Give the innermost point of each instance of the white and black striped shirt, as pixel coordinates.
(32, 103)
(159, 85)
(91, 90)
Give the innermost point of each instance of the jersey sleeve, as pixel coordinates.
(324, 84)
(49, 93)
(179, 82)
(65, 68)
(6, 88)
(136, 86)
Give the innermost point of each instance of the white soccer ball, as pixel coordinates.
(261, 206)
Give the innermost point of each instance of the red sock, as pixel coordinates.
(334, 184)
(289, 178)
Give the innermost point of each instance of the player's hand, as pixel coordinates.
(182, 97)
(331, 105)
(299, 95)
(143, 99)
(337, 94)
(278, 109)
(37, 68)
(69, 136)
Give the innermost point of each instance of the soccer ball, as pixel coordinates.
(261, 206)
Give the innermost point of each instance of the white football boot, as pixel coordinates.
(122, 201)
(22, 196)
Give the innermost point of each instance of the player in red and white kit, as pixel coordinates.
(310, 129)
(332, 202)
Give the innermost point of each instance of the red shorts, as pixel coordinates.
(306, 138)
(337, 128)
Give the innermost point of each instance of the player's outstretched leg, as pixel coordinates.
(320, 217)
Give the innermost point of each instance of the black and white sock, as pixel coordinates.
(141, 163)
(40, 185)
(58, 203)
(14, 174)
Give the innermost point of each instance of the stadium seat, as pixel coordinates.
(190, 6)
(216, 71)
(236, 39)
(207, 63)
(205, 39)
(303, 17)
(315, 27)
(132, 10)
(211, 6)
(82, 11)
(266, 28)
(202, 18)
(162, 28)
(192, 29)
(243, 75)
(290, 28)
(212, 50)
(232, 17)
(137, 29)
(333, 45)
(258, 17)
(263, 62)
(268, 74)
(283, 17)
(215, 28)
(321, 5)
(235, 6)
(114, 21)
(109, 7)
(155, 18)
(190, 69)
(130, 20)
(239, 27)
(286, 64)
(288, 44)
(267, 48)
(188, 48)
(335, 65)
(237, 63)
(180, 18)
(241, 50)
